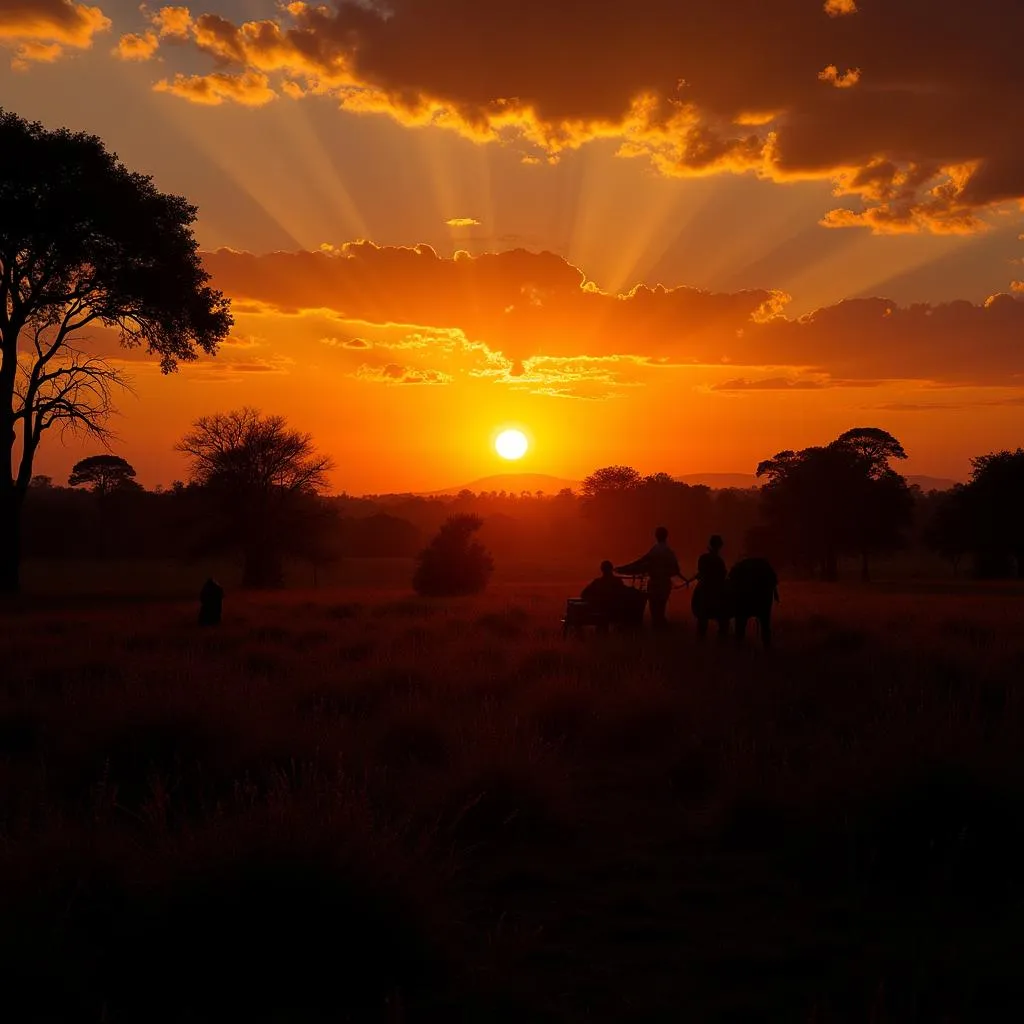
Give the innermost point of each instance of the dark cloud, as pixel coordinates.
(530, 306)
(911, 106)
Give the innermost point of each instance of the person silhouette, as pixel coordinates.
(606, 595)
(709, 596)
(211, 599)
(660, 565)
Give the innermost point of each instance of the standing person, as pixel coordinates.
(709, 598)
(660, 565)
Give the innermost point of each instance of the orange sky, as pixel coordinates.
(679, 235)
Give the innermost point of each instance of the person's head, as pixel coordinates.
(607, 568)
(661, 535)
(715, 543)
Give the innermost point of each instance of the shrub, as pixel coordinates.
(453, 563)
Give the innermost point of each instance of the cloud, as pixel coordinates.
(694, 88)
(462, 222)
(517, 315)
(846, 80)
(172, 22)
(40, 31)
(791, 384)
(769, 384)
(250, 89)
(1014, 400)
(392, 373)
(354, 343)
(137, 47)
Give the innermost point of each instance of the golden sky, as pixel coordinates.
(682, 235)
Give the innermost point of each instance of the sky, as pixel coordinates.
(678, 234)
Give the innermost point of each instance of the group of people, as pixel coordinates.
(616, 602)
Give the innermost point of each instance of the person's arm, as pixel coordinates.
(637, 568)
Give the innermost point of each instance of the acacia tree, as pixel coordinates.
(842, 498)
(260, 474)
(102, 474)
(84, 242)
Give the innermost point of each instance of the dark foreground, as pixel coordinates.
(356, 806)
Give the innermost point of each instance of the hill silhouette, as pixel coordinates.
(513, 483)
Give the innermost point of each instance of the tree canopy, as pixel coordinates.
(986, 516)
(843, 498)
(453, 563)
(84, 244)
(259, 474)
(102, 474)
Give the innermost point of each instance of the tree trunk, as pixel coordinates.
(865, 573)
(10, 541)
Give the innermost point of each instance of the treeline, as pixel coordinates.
(256, 492)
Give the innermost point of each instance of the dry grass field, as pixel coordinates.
(353, 805)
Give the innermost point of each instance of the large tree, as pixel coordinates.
(986, 516)
(102, 474)
(842, 498)
(84, 243)
(260, 474)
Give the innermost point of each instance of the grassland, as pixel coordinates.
(349, 805)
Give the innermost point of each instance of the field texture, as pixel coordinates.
(353, 805)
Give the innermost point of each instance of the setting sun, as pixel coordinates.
(511, 444)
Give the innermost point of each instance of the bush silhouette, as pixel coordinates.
(453, 563)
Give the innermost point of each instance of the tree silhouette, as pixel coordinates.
(102, 474)
(453, 563)
(84, 243)
(840, 499)
(948, 530)
(989, 511)
(259, 473)
(610, 480)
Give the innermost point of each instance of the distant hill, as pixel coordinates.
(513, 483)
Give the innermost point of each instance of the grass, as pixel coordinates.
(353, 805)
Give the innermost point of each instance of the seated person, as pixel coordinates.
(605, 592)
(607, 595)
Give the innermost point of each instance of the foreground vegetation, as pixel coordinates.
(355, 805)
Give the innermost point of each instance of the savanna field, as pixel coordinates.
(349, 804)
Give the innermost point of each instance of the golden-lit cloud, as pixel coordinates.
(137, 47)
(462, 222)
(534, 321)
(251, 89)
(693, 88)
(841, 80)
(837, 8)
(172, 22)
(40, 31)
(393, 373)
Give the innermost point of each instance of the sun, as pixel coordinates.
(511, 444)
